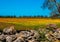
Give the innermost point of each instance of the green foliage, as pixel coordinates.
(54, 6)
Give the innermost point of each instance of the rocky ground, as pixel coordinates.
(49, 34)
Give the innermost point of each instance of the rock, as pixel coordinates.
(57, 30)
(24, 34)
(49, 36)
(19, 39)
(35, 34)
(2, 37)
(51, 26)
(32, 40)
(8, 39)
(13, 37)
(56, 35)
(29, 38)
(42, 35)
(9, 30)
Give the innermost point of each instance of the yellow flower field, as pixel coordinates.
(29, 22)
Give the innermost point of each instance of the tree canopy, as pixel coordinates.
(54, 6)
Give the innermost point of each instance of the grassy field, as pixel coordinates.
(27, 23)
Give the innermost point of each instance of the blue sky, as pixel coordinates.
(22, 8)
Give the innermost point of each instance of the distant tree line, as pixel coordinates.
(24, 16)
(7, 16)
(29, 16)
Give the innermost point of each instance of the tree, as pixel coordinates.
(54, 6)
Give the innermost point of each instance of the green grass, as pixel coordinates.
(22, 26)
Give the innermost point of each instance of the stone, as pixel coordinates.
(51, 26)
(19, 39)
(13, 37)
(24, 34)
(35, 34)
(32, 40)
(9, 30)
(2, 37)
(8, 39)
